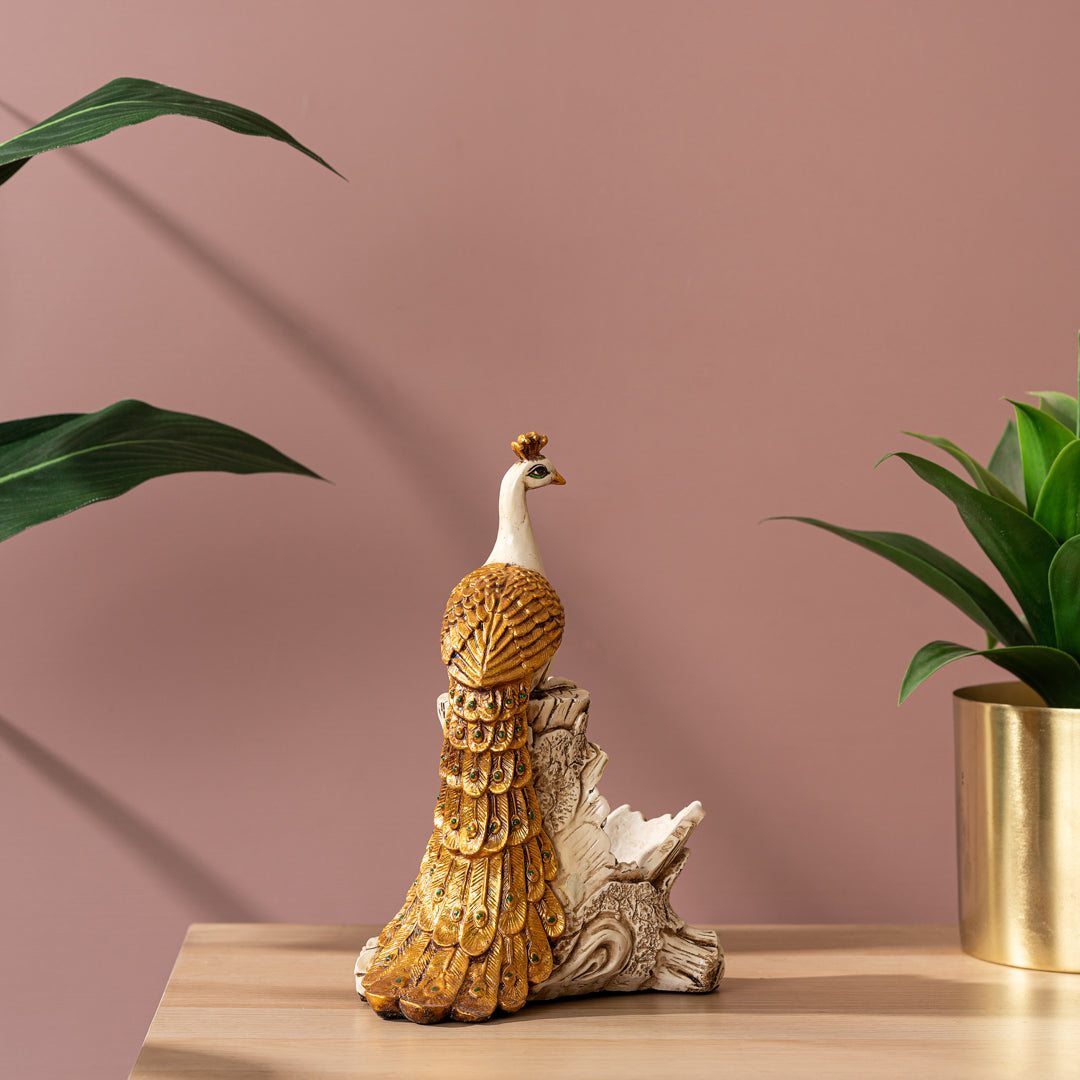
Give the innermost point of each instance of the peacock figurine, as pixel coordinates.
(475, 930)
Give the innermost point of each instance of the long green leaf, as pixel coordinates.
(95, 456)
(1018, 546)
(1058, 508)
(15, 430)
(982, 478)
(1042, 438)
(1060, 406)
(941, 573)
(1065, 596)
(1051, 673)
(127, 101)
(1005, 461)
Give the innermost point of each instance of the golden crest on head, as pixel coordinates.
(529, 446)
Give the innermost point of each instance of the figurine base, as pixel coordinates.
(616, 869)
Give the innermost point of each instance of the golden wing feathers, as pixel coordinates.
(502, 624)
(476, 927)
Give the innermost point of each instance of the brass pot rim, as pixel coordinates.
(1015, 696)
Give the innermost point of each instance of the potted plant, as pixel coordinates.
(51, 465)
(1017, 744)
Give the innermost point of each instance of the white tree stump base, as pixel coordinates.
(616, 869)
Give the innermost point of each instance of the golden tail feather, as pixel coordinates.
(475, 930)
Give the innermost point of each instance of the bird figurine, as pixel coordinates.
(475, 930)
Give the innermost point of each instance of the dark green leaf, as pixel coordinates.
(131, 101)
(94, 456)
(1042, 438)
(1054, 675)
(1065, 596)
(1018, 546)
(1058, 508)
(1060, 406)
(14, 430)
(943, 574)
(982, 478)
(11, 168)
(1005, 461)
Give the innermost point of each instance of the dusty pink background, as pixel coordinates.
(720, 252)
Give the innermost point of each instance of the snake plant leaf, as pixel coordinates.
(1018, 546)
(1060, 406)
(981, 477)
(1064, 592)
(128, 101)
(1005, 461)
(75, 460)
(1054, 675)
(942, 573)
(1058, 508)
(1042, 438)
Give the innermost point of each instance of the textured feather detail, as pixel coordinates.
(390, 976)
(452, 908)
(502, 771)
(538, 948)
(519, 817)
(532, 809)
(450, 764)
(474, 823)
(432, 994)
(451, 819)
(498, 826)
(514, 894)
(502, 624)
(514, 982)
(522, 768)
(479, 996)
(551, 914)
(475, 771)
(481, 918)
(474, 929)
(534, 870)
(547, 856)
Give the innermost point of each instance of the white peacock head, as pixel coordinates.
(536, 470)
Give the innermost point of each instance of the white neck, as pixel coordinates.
(515, 543)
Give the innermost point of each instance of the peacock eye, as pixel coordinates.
(539, 473)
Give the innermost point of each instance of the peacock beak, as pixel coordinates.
(558, 477)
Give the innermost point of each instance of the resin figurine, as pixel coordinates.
(531, 886)
(475, 929)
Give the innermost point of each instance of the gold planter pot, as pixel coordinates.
(1018, 827)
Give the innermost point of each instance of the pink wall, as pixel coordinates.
(720, 252)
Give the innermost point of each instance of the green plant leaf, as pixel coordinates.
(983, 479)
(1018, 546)
(14, 430)
(126, 101)
(1064, 595)
(1042, 438)
(86, 457)
(1054, 675)
(1060, 406)
(1005, 461)
(1058, 508)
(941, 573)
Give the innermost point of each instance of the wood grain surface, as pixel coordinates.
(277, 1002)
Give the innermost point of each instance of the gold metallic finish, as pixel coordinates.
(472, 936)
(1018, 827)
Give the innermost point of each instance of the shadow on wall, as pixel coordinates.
(406, 434)
(181, 870)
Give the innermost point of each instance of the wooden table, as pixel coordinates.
(277, 1002)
